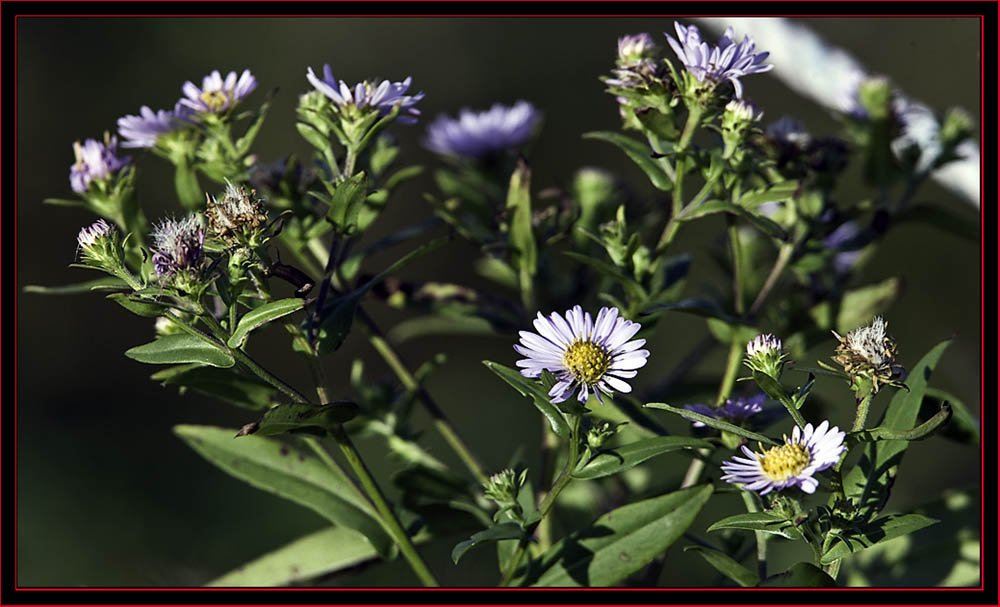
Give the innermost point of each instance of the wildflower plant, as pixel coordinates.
(218, 272)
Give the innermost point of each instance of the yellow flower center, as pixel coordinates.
(215, 100)
(586, 361)
(782, 462)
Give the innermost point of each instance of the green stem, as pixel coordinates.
(761, 537)
(389, 520)
(550, 443)
(670, 230)
(861, 416)
(732, 370)
(550, 499)
(411, 384)
(784, 255)
(734, 243)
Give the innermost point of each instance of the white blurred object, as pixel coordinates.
(831, 76)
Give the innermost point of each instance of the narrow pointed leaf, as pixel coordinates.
(718, 424)
(640, 153)
(622, 541)
(179, 349)
(107, 283)
(277, 468)
(503, 531)
(724, 564)
(259, 317)
(533, 390)
(241, 390)
(759, 521)
(800, 575)
(613, 461)
(877, 531)
(295, 417)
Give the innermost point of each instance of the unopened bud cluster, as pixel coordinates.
(504, 486)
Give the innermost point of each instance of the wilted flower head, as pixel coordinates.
(764, 354)
(217, 94)
(239, 213)
(177, 245)
(635, 49)
(381, 95)
(594, 355)
(477, 134)
(142, 130)
(94, 161)
(735, 410)
(726, 61)
(868, 352)
(791, 464)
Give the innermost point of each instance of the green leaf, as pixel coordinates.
(759, 521)
(860, 305)
(632, 288)
(345, 203)
(243, 143)
(800, 575)
(772, 388)
(532, 389)
(436, 324)
(503, 531)
(775, 193)
(711, 207)
(63, 202)
(178, 349)
(613, 461)
(107, 283)
(236, 389)
(315, 138)
(711, 422)
(141, 307)
(724, 564)
(868, 483)
(699, 307)
(259, 317)
(189, 192)
(522, 237)
(297, 417)
(310, 556)
(640, 153)
(338, 321)
(964, 426)
(622, 541)
(277, 468)
(869, 534)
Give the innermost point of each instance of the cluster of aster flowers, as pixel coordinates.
(479, 134)
(594, 355)
(95, 161)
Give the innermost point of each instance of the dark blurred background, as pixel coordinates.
(108, 496)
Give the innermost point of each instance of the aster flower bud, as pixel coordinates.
(764, 354)
(635, 49)
(239, 218)
(600, 432)
(868, 353)
(100, 245)
(504, 486)
(739, 116)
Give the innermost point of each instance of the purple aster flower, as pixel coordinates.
(478, 134)
(792, 464)
(594, 355)
(142, 130)
(735, 410)
(839, 240)
(94, 160)
(90, 235)
(635, 49)
(381, 95)
(217, 95)
(726, 61)
(177, 245)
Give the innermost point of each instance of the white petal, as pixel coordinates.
(617, 384)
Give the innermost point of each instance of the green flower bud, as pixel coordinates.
(600, 432)
(504, 486)
(764, 354)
